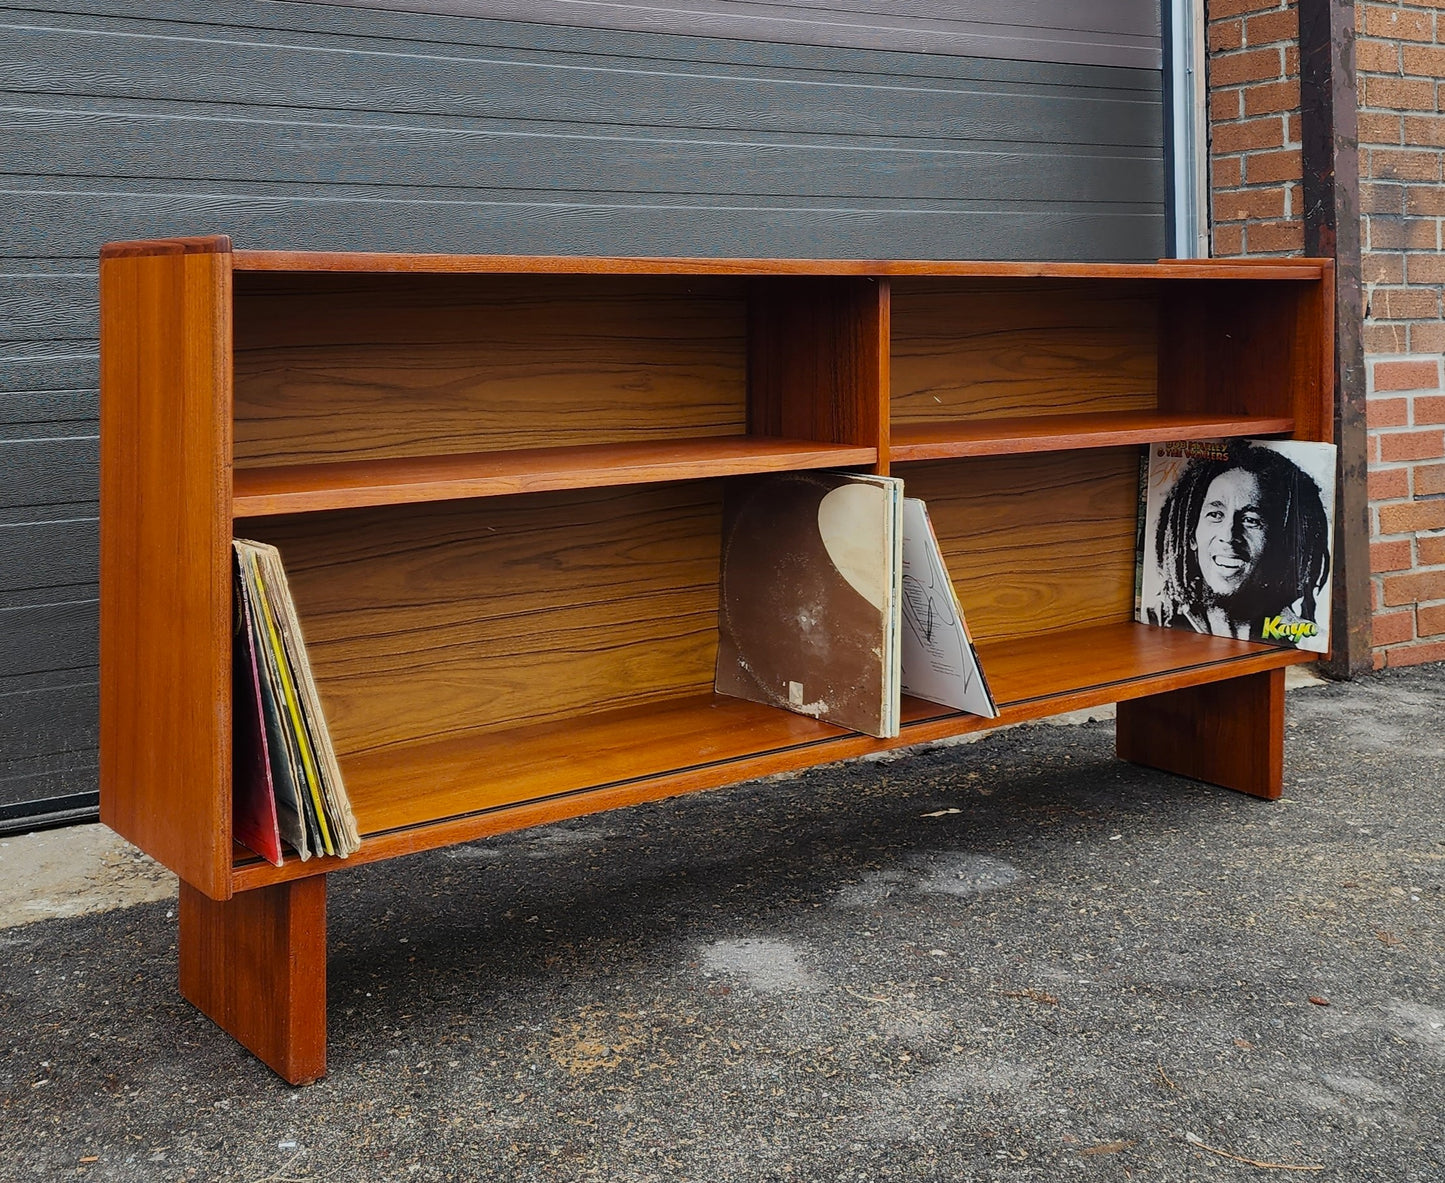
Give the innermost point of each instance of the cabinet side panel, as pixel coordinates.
(977, 349)
(1228, 733)
(1315, 402)
(1035, 543)
(165, 583)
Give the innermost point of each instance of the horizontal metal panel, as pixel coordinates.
(32, 803)
(1032, 106)
(29, 366)
(1115, 32)
(45, 800)
(43, 306)
(49, 553)
(62, 142)
(678, 227)
(47, 637)
(48, 470)
(406, 34)
(22, 410)
(57, 720)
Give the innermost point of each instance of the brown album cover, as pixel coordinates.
(809, 596)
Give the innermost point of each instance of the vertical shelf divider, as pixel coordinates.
(818, 360)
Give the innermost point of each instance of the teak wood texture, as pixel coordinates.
(1228, 733)
(256, 964)
(367, 367)
(487, 783)
(497, 483)
(165, 573)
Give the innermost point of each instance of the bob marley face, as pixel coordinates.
(1232, 534)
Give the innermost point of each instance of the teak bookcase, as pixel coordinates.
(496, 483)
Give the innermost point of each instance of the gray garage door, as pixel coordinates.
(916, 128)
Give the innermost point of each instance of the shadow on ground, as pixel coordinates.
(1012, 960)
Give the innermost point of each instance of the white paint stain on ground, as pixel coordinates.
(1423, 1025)
(950, 872)
(1361, 1088)
(958, 873)
(73, 871)
(766, 964)
(474, 852)
(1378, 719)
(550, 841)
(971, 1078)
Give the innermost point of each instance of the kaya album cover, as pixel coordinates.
(1238, 539)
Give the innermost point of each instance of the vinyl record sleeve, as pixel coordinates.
(809, 593)
(254, 820)
(940, 663)
(1238, 540)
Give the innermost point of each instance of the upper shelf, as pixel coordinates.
(1289, 269)
(306, 488)
(1059, 433)
(359, 261)
(303, 488)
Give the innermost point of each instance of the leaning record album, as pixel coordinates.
(1238, 538)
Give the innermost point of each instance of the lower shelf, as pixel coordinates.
(420, 797)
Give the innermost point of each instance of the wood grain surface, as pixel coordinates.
(256, 965)
(165, 565)
(382, 262)
(1062, 433)
(619, 758)
(403, 480)
(365, 367)
(817, 360)
(479, 616)
(989, 349)
(205, 244)
(1256, 349)
(1035, 543)
(1226, 733)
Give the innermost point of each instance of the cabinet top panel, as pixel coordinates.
(351, 261)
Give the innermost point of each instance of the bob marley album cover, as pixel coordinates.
(1237, 539)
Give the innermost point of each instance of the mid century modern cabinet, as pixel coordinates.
(496, 483)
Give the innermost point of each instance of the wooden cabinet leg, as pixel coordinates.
(1229, 733)
(256, 964)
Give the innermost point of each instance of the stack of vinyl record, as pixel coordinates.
(286, 781)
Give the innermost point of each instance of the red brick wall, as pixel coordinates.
(1400, 60)
(1254, 148)
(1255, 194)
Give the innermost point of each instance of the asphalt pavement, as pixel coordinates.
(1016, 959)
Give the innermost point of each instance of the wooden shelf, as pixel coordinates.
(1048, 673)
(424, 264)
(420, 796)
(1060, 433)
(303, 488)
